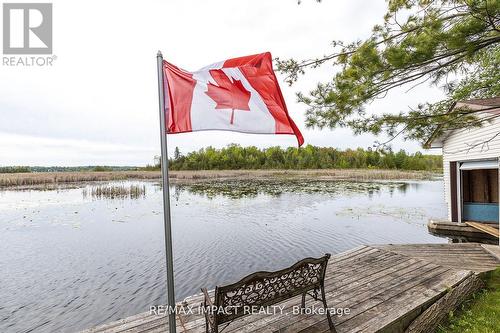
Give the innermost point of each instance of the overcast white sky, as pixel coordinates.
(98, 104)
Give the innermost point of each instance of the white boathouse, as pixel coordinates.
(470, 163)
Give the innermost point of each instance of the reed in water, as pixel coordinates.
(57, 178)
(115, 191)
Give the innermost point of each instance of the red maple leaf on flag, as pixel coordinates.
(228, 94)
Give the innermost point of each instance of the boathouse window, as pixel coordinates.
(479, 191)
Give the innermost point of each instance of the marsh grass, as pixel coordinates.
(317, 174)
(52, 179)
(115, 191)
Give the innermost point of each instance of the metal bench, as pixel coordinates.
(263, 289)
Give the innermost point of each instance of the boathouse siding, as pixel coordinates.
(481, 144)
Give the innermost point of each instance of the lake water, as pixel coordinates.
(70, 261)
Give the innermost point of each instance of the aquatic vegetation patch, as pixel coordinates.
(55, 179)
(236, 189)
(408, 214)
(115, 191)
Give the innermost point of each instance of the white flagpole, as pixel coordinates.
(166, 199)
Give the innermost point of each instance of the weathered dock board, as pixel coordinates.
(488, 228)
(470, 256)
(460, 231)
(385, 287)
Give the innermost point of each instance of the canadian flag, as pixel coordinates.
(240, 94)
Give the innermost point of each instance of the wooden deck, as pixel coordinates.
(385, 287)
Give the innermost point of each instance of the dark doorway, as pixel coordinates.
(480, 195)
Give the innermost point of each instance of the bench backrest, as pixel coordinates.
(263, 289)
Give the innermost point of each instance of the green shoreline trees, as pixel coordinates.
(15, 169)
(310, 157)
(236, 157)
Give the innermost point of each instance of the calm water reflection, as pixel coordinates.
(69, 261)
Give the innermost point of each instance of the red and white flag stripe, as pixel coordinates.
(240, 94)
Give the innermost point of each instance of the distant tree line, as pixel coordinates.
(237, 157)
(309, 157)
(19, 169)
(14, 169)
